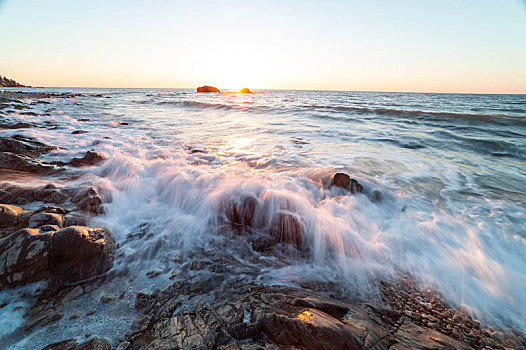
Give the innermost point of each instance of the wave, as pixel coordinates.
(488, 117)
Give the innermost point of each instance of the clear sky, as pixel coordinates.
(403, 45)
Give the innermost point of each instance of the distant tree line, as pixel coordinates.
(6, 82)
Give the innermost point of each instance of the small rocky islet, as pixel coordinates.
(45, 235)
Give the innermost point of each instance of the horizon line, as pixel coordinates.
(255, 89)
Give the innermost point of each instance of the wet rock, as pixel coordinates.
(377, 196)
(89, 158)
(41, 219)
(78, 132)
(245, 90)
(346, 182)
(207, 88)
(82, 252)
(287, 228)
(76, 218)
(25, 257)
(89, 199)
(106, 299)
(416, 337)
(10, 216)
(73, 294)
(17, 162)
(91, 312)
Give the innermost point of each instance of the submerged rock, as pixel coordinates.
(82, 252)
(207, 88)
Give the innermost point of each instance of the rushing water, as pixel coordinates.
(451, 168)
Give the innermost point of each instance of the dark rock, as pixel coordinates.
(287, 228)
(90, 158)
(25, 257)
(88, 198)
(10, 216)
(346, 182)
(77, 132)
(41, 219)
(23, 163)
(207, 88)
(82, 252)
(71, 344)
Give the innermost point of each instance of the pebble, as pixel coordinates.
(76, 315)
(73, 294)
(88, 334)
(91, 312)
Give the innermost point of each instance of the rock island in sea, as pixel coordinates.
(67, 275)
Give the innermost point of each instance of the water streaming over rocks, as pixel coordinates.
(269, 194)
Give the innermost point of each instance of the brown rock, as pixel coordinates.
(82, 252)
(41, 219)
(9, 216)
(89, 158)
(287, 228)
(25, 257)
(207, 88)
(346, 182)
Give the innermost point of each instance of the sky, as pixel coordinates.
(473, 46)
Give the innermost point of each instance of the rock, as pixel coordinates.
(95, 344)
(81, 252)
(207, 88)
(23, 163)
(88, 199)
(106, 299)
(41, 219)
(89, 158)
(416, 337)
(91, 312)
(75, 315)
(89, 334)
(245, 90)
(10, 216)
(346, 182)
(25, 257)
(71, 344)
(73, 294)
(287, 228)
(76, 218)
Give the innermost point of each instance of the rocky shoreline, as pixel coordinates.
(45, 235)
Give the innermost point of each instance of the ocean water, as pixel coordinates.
(451, 169)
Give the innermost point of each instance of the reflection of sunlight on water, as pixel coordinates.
(239, 143)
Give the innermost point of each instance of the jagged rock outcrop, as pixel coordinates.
(207, 88)
(6, 82)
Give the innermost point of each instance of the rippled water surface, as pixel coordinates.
(451, 169)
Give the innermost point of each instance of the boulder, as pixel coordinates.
(286, 228)
(25, 257)
(346, 182)
(207, 88)
(245, 91)
(89, 158)
(81, 252)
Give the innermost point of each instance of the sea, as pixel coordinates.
(444, 177)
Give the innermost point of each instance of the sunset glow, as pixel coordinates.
(334, 45)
